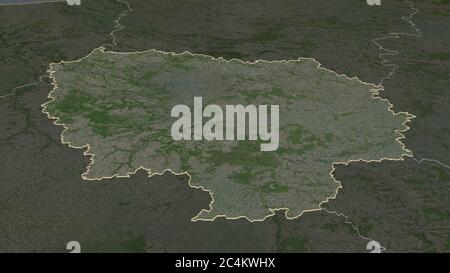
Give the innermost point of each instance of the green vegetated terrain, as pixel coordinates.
(120, 106)
(44, 202)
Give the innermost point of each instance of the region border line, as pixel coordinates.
(375, 95)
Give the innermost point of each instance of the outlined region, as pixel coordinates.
(232, 178)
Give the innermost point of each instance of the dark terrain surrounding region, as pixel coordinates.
(44, 203)
(405, 204)
(34, 35)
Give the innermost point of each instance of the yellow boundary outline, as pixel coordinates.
(375, 92)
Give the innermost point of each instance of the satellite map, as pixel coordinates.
(213, 126)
